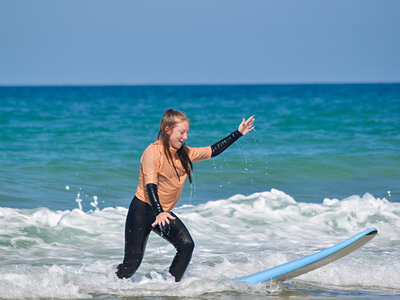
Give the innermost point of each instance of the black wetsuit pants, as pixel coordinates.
(137, 231)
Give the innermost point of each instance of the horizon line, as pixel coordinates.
(196, 84)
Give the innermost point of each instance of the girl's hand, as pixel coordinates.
(162, 219)
(246, 126)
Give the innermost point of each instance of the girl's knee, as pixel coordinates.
(187, 246)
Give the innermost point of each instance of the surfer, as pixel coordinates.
(164, 166)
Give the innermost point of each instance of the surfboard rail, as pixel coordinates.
(311, 262)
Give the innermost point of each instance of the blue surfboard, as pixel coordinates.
(311, 262)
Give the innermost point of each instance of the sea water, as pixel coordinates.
(322, 165)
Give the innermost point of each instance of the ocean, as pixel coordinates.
(322, 165)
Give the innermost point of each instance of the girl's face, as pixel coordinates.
(179, 134)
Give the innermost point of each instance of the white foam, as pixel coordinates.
(73, 254)
(22, 281)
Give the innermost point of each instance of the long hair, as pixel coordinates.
(170, 119)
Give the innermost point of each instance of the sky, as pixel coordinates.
(96, 42)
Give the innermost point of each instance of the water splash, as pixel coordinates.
(95, 203)
(79, 200)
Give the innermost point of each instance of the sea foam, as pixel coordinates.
(74, 254)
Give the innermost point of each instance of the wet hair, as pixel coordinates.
(170, 119)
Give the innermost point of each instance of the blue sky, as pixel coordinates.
(198, 42)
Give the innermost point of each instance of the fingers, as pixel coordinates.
(250, 121)
(247, 125)
(163, 219)
(171, 217)
(243, 123)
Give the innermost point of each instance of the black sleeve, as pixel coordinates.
(153, 197)
(223, 144)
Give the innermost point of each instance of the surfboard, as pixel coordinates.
(311, 262)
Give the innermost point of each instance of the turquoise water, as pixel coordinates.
(311, 141)
(322, 165)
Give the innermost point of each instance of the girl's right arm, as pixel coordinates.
(162, 217)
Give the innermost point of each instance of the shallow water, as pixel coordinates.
(73, 254)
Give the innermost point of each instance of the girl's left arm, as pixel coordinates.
(244, 127)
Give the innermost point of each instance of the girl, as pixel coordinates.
(164, 167)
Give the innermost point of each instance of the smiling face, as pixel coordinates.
(178, 135)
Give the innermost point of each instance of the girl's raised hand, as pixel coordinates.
(246, 125)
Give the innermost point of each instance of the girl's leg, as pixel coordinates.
(177, 234)
(137, 230)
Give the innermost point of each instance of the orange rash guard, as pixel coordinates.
(155, 168)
